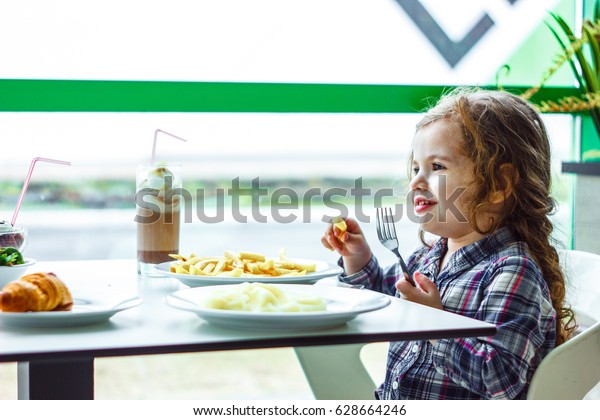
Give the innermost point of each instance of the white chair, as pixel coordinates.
(571, 370)
(582, 272)
(568, 372)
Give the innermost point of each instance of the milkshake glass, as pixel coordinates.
(158, 215)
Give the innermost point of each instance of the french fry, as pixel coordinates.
(251, 256)
(307, 267)
(236, 272)
(203, 264)
(193, 260)
(195, 271)
(340, 223)
(242, 264)
(234, 258)
(253, 268)
(220, 267)
(181, 270)
(265, 266)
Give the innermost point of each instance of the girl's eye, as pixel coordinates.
(415, 170)
(438, 167)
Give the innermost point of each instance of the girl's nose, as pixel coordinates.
(418, 182)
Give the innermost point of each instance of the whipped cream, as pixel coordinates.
(5, 226)
(159, 178)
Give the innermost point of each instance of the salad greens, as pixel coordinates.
(10, 256)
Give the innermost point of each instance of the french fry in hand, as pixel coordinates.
(242, 264)
(340, 223)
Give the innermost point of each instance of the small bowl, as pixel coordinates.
(15, 237)
(10, 273)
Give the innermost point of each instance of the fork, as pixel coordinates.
(386, 232)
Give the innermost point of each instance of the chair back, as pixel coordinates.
(572, 369)
(569, 371)
(582, 272)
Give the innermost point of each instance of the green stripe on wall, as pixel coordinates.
(150, 96)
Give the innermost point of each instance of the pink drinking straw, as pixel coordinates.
(158, 130)
(28, 177)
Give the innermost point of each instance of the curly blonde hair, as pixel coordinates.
(507, 141)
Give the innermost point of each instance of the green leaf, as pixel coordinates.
(591, 82)
(595, 52)
(10, 256)
(587, 74)
(574, 68)
(564, 26)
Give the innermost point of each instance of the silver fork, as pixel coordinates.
(386, 232)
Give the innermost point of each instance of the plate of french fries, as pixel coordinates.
(237, 267)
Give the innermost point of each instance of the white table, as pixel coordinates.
(58, 363)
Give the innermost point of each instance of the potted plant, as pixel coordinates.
(582, 53)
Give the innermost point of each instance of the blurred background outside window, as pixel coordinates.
(88, 209)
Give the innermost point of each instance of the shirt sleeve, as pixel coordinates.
(373, 277)
(515, 300)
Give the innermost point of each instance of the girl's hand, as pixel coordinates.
(351, 245)
(426, 293)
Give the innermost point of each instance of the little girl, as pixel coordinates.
(481, 183)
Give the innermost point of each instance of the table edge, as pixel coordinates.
(250, 344)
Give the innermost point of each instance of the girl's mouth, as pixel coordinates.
(421, 204)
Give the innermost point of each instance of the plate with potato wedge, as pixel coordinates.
(277, 307)
(238, 267)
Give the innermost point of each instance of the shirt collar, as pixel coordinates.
(470, 255)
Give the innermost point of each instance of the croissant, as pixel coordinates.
(36, 292)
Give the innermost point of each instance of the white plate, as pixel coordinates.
(343, 305)
(87, 310)
(323, 270)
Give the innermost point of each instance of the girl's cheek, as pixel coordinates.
(434, 187)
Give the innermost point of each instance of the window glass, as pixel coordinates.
(310, 41)
(282, 152)
(333, 41)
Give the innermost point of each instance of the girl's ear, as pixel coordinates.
(505, 184)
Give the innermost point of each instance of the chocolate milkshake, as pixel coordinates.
(158, 215)
(12, 235)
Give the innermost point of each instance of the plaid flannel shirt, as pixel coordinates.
(494, 280)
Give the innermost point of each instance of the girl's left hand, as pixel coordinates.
(426, 293)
